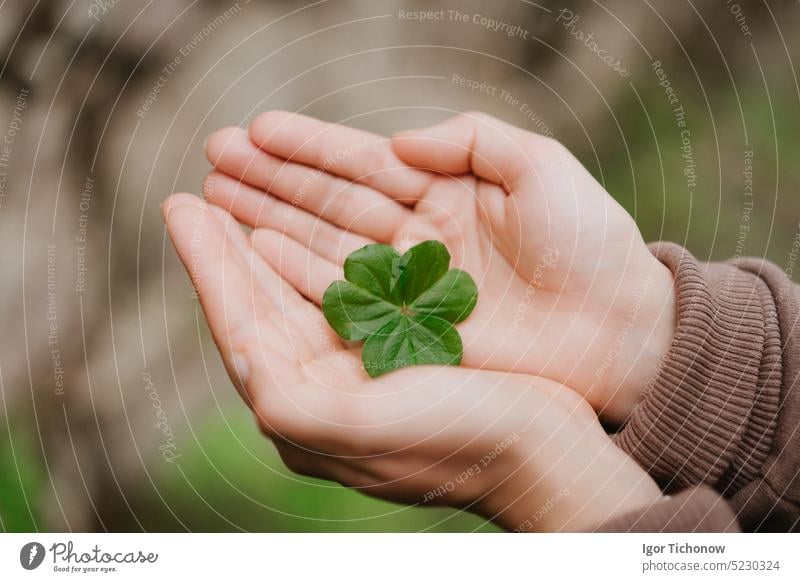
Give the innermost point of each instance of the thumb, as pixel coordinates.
(471, 142)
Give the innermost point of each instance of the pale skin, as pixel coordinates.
(314, 192)
(568, 288)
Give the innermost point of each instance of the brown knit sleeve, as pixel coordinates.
(694, 510)
(723, 409)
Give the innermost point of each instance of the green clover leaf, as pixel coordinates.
(404, 306)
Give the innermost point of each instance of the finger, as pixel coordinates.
(259, 210)
(305, 270)
(304, 333)
(344, 151)
(235, 314)
(207, 254)
(472, 142)
(352, 206)
(282, 296)
(291, 325)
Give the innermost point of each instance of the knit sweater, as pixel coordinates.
(719, 425)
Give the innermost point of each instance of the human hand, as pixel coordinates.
(568, 289)
(522, 451)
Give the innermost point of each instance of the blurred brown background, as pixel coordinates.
(115, 411)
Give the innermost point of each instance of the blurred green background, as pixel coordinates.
(74, 81)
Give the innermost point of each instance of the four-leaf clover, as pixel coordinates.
(404, 306)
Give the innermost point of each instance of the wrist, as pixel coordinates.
(574, 485)
(650, 317)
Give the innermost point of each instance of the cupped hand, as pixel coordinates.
(568, 289)
(525, 452)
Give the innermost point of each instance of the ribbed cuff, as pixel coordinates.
(694, 510)
(696, 423)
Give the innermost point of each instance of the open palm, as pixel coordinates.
(568, 288)
(498, 444)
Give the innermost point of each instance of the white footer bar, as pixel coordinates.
(388, 557)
